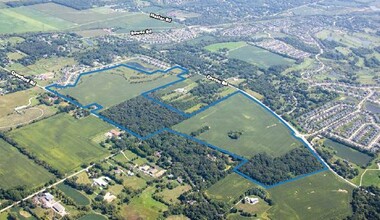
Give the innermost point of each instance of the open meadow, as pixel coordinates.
(227, 46)
(192, 94)
(115, 86)
(241, 126)
(229, 188)
(63, 141)
(323, 195)
(260, 57)
(143, 206)
(17, 170)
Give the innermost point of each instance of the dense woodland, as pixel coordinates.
(142, 115)
(366, 203)
(271, 170)
(9, 84)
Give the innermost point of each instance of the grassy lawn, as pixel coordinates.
(260, 209)
(171, 195)
(83, 178)
(115, 86)
(26, 116)
(93, 217)
(74, 194)
(143, 206)
(62, 141)
(261, 131)
(16, 169)
(134, 182)
(323, 195)
(10, 101)
(259, 57)
(371, 177)
(229, 46)
(348, 153)
(229, 188)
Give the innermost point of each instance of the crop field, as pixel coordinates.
(190, 95)
(115, 86)
(348, 153)
(323, 195)
(259, 130)
(62, 141)
(143, 206)
(228, 46)
(260, 57)
(171, 195)
(75, 195)
(229, 188)
(17, 170)
(130, 21)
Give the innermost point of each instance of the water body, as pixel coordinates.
(347, 153)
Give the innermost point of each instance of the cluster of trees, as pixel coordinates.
(87, 188)
(235, 134)
(10, 84)
(14, 194)
(200, 131)
(343, 168)
(37, 47)
(78, 5)
(15, 4)
(142, 115)
(365, 203)
(271, 170)
(32, 156)
(296, 43)
(198, 165)
(372, 62)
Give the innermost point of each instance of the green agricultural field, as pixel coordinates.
(115, 86)
(17, 170)
(171, 195)
(260, 130)
(323, 195)
(260, 57)
(143, 206)
(62, 141)
(229, 188)
(192, 94)
(348, 153)
(260, 209)
(229, 46)
(371, 177)
(93, 217)
(78, 197)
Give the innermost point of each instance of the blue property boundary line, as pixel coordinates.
(95, 108)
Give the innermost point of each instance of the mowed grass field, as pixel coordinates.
(17, 170)
(320, 196)
(143, 206)
(260, 57)
(229, 188)
(112, 87)
(261, 131)
(10, 101)
(62, 141)
(229, 46)
(371, 177)
(348, 153)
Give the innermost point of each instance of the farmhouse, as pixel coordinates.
(252, 201)
(101, 181)
(57, 207)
